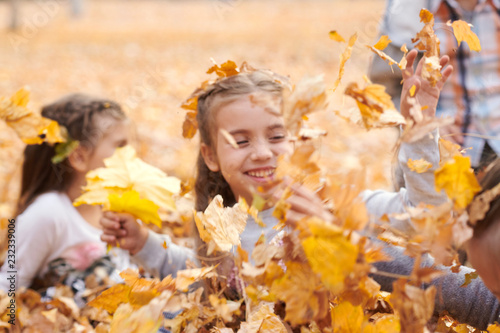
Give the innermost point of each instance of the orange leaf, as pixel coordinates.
(343, 59)
(382, 43)
(463, 33)
(111, 298)
(334, 35)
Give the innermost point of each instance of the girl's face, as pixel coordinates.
(114, 135)
(261, 137)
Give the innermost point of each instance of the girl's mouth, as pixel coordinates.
(261, 175)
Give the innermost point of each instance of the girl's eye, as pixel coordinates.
(241, 142)
(278, 137)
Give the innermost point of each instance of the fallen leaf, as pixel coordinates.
(458, 181)
(187, 277)
(220, 227)
(347, 318)
(299, 288)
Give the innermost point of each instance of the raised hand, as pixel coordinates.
(426, 94)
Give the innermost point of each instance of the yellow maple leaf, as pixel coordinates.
(129, 202)
(463, 33)
(343, 59)
(494, 328)
(382, 43)
(124, 172)
(329, 253)
(347, 318)
(334, 35)
(111, 298)
(457, 179)
(220, 227)
(419, 166)
(300, 289)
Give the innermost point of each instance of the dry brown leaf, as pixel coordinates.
(343, 59)
(413, 305)
(220, 227)
(481, 204)
(308, 96)
(373, 102)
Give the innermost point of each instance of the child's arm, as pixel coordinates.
(418, 187)
(473, 304)
(156, 253)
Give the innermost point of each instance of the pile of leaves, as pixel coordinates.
(316, 277)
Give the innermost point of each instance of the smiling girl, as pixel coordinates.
(58, 243)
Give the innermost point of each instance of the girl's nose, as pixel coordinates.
(261, 151)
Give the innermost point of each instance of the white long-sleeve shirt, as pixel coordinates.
(48, 229)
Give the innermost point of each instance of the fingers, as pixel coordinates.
(445, 75)
(410, 59)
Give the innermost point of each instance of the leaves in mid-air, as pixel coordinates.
(343, 59)
(29, 126)
(457, 179)
(220, 227)
(463, 33)
(419, 166)
(375, 105)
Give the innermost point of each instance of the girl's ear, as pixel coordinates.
(78, 159)
(210, 157)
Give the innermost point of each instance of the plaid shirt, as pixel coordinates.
(472, 93)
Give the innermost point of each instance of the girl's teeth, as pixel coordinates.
(261, 174)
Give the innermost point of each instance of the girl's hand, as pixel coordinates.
(303, 203)
(122, 230)
(425, 93)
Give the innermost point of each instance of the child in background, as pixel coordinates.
(484, 247)
(230, 105)
(57, 241)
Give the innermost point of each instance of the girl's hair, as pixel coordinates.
(81, 115)
(208, 183)
(492, 217)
